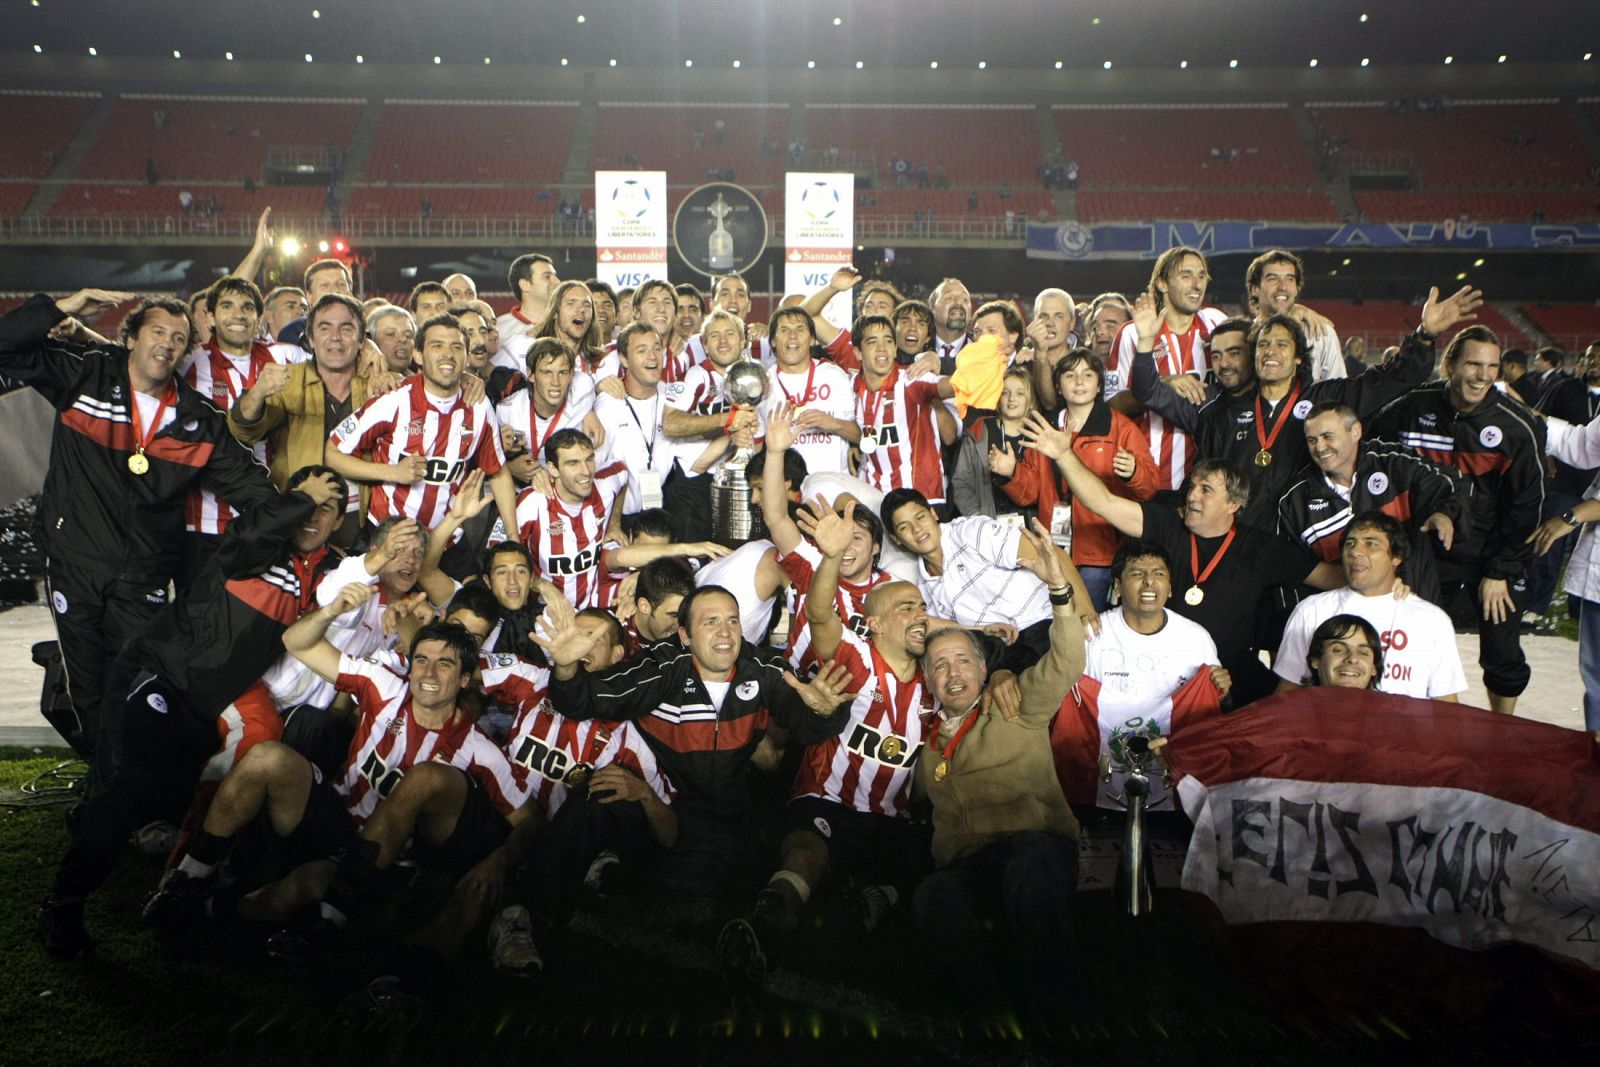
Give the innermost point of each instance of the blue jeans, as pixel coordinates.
(1098, 581)
(1589, 659)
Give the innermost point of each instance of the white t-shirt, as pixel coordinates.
(982, 582)
(827, 388)
(1419, 644)
(894, 559)
(736, 572)
(359, 633)
(634, 439)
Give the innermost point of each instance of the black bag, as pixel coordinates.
(55, 704)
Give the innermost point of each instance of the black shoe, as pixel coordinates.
(301, 944)
(61, 927)
(739, 954)
(875, 905)
(384, 999)
(179, 900)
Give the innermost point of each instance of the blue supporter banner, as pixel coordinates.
(1146, 240)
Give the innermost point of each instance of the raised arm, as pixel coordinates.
(832, 535)
(774, 499)
(1126, 515)
(250, 265)
(306, 639)
(844, 279)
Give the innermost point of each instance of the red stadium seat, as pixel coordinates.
(452, 201)
(418, 141)
(136, 198)
(217, 139)
(1174, 145)
(35, 129)
(1505, 205)
(974, 145)
(663, 138)
(1572, 326)
(14, 196)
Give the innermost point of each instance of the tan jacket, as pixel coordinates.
(293, 422)
(1002, 779)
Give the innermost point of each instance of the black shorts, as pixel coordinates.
(324, 830)
(480, 829)
(868, 847)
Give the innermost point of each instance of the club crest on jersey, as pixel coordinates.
(748, 690)
(1377, 483)
(1302, 409)
(822, 826)
(557, 526)
(1490, 436)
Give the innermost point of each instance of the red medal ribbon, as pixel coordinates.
(872, 411)
(141, 440)
(949, 751)
(804, 396)
(898, 715)
(1266, 440)
(1194, 556)
(533, 426)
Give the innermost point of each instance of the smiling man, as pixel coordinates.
(425, 437)
(1498, 444)
(1274, 280)
(130, 440)
(820, 393)
(1418, 638)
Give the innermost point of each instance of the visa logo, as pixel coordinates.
(817, 281)
(637, 278)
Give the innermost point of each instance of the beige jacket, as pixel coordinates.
(1002, 778)
(293, 422)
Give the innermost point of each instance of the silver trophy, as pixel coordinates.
(734, 520)
(1128, 753)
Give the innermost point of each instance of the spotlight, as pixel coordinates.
(290, 246)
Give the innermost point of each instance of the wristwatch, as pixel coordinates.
(1569, 518)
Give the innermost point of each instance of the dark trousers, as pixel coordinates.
(1544, 571)
(1026, 881)
(320, 736)
(578, 832)
(165, 745)
(198, 550)
(1505, 668)
(96, 614)
(1029, 648)
(687, 499)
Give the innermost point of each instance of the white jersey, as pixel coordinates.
(1185, 353)
(634, 439)
(1419, 643)
(512, 326)
(827, 388)
(981, 581)
(517, 412)
(1327, 356)
(567, 540)
(411, 421)
(736, 572)
(358, 632)
(1139, 674)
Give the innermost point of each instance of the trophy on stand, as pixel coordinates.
(719, 255)
(733, 520)
(1128, 753)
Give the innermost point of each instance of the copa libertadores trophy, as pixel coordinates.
(1129, 754)
(734, 520)
(719, 251)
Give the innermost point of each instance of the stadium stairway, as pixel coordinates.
(66, 166)
(578, 170)
(356, 152)
(1523, 322)
(1583, 122)
(1338, 186)
(1051, 150)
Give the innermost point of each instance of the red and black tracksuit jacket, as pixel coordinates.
(704, 751)
(95, 512)
(1500, 448)
(1398, 483)
(219, 638)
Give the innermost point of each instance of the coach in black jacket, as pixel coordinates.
(112, 511)
(703, 705)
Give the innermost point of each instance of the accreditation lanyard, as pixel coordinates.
(650, 438)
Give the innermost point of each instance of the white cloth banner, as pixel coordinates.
(1471, 869)
(819, 212)
(630, 226)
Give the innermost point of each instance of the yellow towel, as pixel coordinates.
(980, 371)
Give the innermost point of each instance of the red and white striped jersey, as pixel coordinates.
(851, 600)
(550, 753)
(843, 352)
(674, 365)
(517, 411)
(222, 379)
(389, 741)
(567, 539)
(899, 417)
(699, 393)
(410, 422)
(1184, 353)
(869, 766)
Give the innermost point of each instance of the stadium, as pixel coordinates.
(1033, 144)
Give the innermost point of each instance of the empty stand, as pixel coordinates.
(217, 139)
(471, 142)
(1501, 205)
(664, 138)
(1104, 205)
(137, 198)
(1465, 143)
(1387, 322)
(952, 203)
(1572, 326)
(974, 145)
(35, 129)
(451, 201)
(14, 196)
(1162, 146)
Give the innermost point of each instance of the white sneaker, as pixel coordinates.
(511, 945)
(595, 879)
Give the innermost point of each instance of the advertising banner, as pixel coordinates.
(819, 236)
(630, 226)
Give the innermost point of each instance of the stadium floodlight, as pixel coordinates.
(308, 57)
(687, 62)
(1233, 64)
(486, 61)
(361, 59)
(93, 51)
(322, 246)
(983, 64)
(614, 63)
(859, 64)
(563, 61)
(175, 53)
(1502, 58)
(1363, 16)
(290, 246)
(934, 65)
(1313, 63)
(582, 19)
(38, 49)
(437, 61)
(811, 64)
(316, 14)
(1183, 64)
(837, 21)
(1365, 62)
(1106, 65)
(1059, 64)
(228, 56)
(737, 64)
(1588, 56)
(1477, 263)
(1449, 60)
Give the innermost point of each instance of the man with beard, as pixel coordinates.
(952, 308)
(820, 393)
(1494, 440)
(532, 279)
(188, 665)
(850, 806)
(1274, 280)
(697, 413)
(1349, 477)
(394, 331)
(481, 346)
(425, 437)
(1177, 293)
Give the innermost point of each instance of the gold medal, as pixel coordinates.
(869, 444)
(891, 747)
(137, 463)
(578, 775)
(1194, 596)
(1263, 459)
(941, 770)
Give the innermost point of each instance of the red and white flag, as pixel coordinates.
(1081, 733)
(1357, 812)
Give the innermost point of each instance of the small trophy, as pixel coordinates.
(733, 520)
